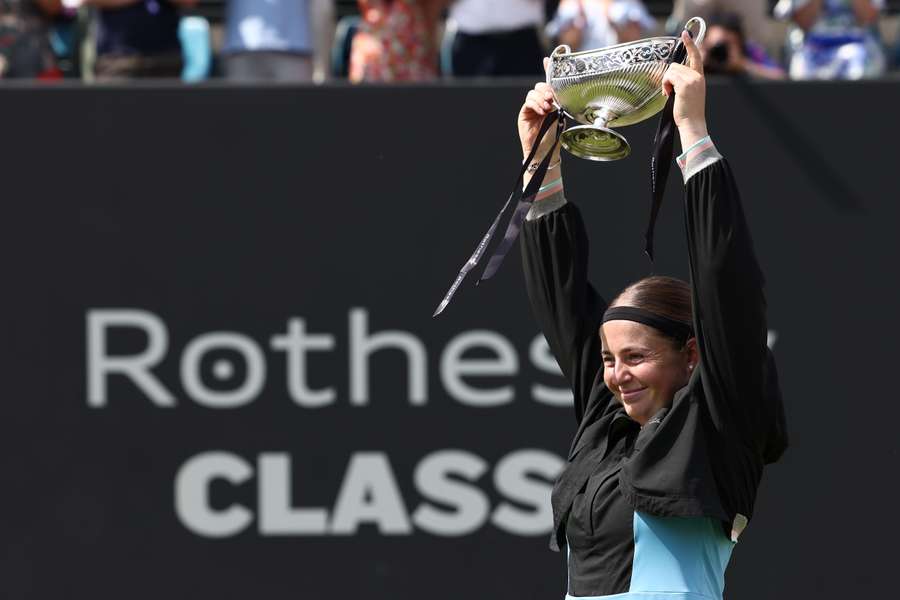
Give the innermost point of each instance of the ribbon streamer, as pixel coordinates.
(663, 153)
(524, 199)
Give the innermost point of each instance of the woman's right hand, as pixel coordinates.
(538, 103)
(689, 85)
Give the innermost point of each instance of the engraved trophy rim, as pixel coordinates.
(613, 48)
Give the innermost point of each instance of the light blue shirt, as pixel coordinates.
(268, 25)
(675, 558)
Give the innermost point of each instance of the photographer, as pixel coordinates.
(726, 51)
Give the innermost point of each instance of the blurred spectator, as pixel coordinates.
(137, 38)
(727, 51)
(497, 37)
(589, 24)
(278, 40)
(24, 43)
(754, 15)
(834, 39)
(397, 41)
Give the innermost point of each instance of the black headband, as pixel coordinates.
(679, 330)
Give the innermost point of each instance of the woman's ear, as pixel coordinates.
(693, 354)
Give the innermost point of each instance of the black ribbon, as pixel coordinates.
(524, 199)
(663, 150)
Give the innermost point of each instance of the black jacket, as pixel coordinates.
(703, 455)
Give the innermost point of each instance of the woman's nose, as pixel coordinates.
(621, 372)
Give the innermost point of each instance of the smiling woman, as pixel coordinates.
(648, 348)
(676, 397)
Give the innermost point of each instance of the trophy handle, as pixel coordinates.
(560, 50)
(700, 35)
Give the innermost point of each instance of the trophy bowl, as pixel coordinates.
(613, 86)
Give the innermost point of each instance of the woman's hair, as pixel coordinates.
(661, 295)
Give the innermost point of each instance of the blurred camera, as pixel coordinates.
(717, 57)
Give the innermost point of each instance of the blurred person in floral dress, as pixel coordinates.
(397, 41)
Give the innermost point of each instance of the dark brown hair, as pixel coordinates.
(661, 295)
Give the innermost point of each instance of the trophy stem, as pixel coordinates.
(596, 141)
(603, 117)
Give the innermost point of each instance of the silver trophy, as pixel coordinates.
(614, 86)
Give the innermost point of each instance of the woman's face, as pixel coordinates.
(643, 368)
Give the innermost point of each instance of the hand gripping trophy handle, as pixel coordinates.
(614, 86)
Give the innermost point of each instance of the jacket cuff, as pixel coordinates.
(545, 206)
(698, 157)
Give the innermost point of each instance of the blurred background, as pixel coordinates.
(421, 40)
(226, 224)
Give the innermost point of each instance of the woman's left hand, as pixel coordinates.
(689, 85)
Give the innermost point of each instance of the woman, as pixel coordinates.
(834, 39)
(587, 24)
(397, 41)
(24, 39)
(278, 40)
(138, 38)
(678, 408)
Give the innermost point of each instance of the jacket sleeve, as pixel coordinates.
(729, 309)
(567, 308)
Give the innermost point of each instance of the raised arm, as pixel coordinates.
(729, 306)
(554, 256)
